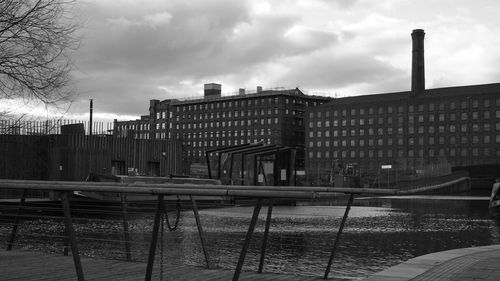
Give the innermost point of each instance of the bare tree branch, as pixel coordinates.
(36, 39)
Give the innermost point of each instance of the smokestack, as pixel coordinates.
(417, 62)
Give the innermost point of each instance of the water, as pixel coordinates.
(380, 232)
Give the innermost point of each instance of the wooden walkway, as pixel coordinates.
(20, 265)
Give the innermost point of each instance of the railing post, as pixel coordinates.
(126, 235)
(337, 238)
(266, 234)
(71, 235)
(248, 237)
(16, 221)
(200, 230)
(154, 238)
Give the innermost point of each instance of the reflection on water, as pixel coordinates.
(379, 233)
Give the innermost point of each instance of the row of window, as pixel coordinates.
(430, 107)
(223, 134)
(462, 128)
(219, 124)
(370, 153)
(451, 140)
(442, 117)
(132, 126)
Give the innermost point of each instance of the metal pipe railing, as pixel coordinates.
(160, 190)
(297, 192)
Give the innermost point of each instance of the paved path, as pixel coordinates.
(477, 263)
(30, 266)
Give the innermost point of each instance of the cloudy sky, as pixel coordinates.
(133, 51)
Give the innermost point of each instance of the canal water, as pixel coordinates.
(379, 233)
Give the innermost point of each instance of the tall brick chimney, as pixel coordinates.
(417, 62)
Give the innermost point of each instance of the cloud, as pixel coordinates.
(328, 70)
(140, 50)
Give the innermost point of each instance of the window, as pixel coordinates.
(475, 127)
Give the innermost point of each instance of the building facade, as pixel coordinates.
(459, 126)
(273, 116)
(412, 132)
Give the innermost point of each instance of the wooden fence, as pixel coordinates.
(72, 157)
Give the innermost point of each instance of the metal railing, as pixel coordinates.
(122, 234)
(259, 195)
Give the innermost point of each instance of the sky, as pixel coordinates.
(133, 51)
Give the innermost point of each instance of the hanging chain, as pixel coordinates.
(178, 215)
(164, 218)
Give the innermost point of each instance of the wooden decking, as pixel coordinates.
(20, 265)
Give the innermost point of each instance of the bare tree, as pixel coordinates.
(36, 39)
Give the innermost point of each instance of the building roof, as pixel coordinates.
(264, 93)
(447, 92)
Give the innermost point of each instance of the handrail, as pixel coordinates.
(432, 187)
(298, 192)
(190, 189)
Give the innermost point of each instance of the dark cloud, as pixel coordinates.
(127, 56)
(328, 70)
(134, 51)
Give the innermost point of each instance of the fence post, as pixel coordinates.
(16, 221)
(337, 238)
(72, 237)
(200, 230)
(126, 235)
(154, 238)
(248, 237)
(266, 234)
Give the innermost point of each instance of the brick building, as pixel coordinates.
(274, 116)
(456, 126)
